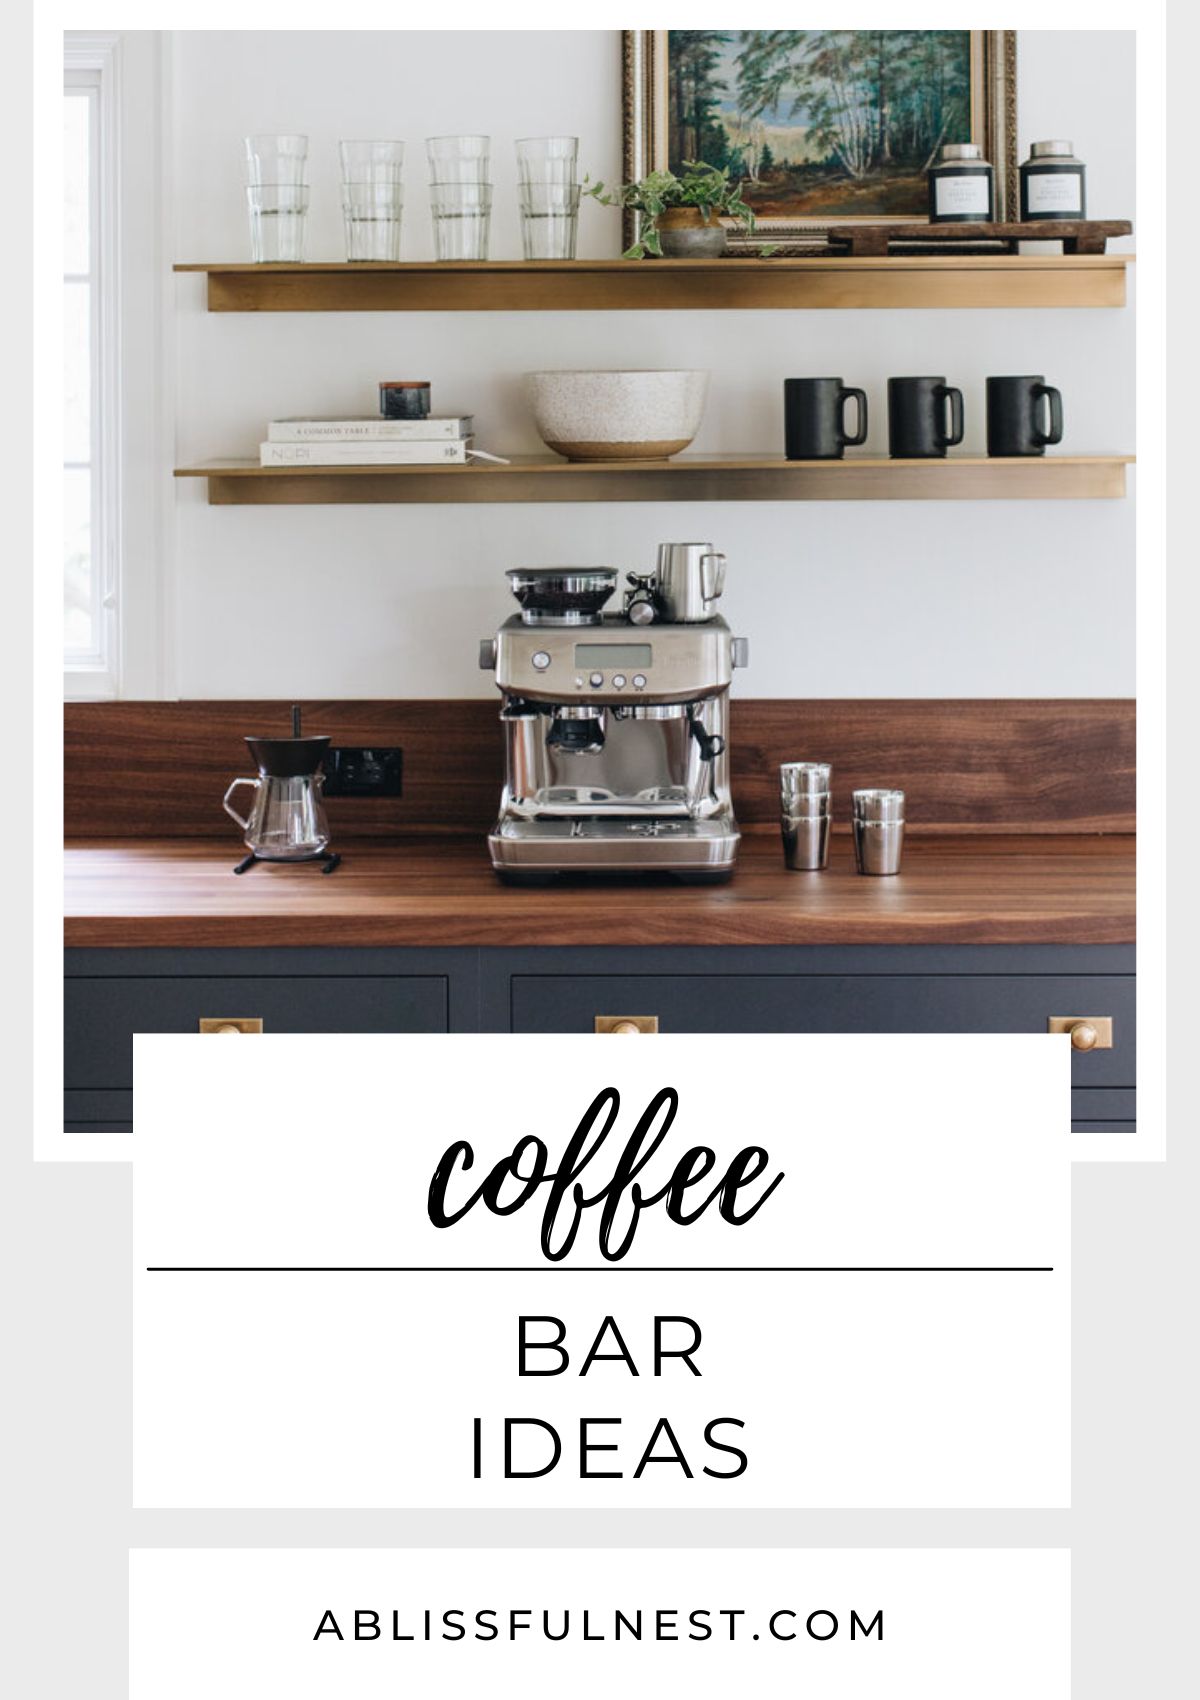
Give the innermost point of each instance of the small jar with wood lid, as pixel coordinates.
(404, 398)
(962, 186)
(1053, 183)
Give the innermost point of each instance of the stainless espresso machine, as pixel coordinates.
(615, 724)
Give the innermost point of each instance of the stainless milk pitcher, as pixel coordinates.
(688, 580)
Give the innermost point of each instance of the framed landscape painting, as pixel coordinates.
(821, 126)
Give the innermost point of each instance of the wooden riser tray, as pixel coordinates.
(1078, 236)
(551, 286)
(690, 478)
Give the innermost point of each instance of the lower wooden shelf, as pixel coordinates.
(689, 478)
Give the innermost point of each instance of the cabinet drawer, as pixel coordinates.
(1104, 1110)
(101, 1015)
(841, 1003)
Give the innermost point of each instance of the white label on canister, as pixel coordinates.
(1053, 191)
(962, 194)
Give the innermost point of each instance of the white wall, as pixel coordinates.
(838, 599)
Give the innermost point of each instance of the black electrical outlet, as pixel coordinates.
(377, 772)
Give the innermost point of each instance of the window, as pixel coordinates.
(90, 437)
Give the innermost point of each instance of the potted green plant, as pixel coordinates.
(680, 217)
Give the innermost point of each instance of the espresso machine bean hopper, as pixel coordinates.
(616, 750)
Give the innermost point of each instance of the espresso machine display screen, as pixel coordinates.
(613, 654)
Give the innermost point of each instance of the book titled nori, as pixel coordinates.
(365, 453)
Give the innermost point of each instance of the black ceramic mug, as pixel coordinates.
(814, 418)
(925, 418)
(1014, 416)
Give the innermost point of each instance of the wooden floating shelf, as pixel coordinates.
(690, 478)
(553, 286)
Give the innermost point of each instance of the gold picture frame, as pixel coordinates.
(993, 102)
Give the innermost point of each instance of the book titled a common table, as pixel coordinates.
(449, 428)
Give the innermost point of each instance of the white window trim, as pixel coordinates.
(94, 61)
(139, 430)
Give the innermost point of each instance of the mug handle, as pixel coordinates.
(1054, 397)
(947, 392)
(860, 436)
(232, 812)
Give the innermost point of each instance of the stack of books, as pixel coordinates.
(368, 442)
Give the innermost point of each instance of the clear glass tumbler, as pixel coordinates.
(458, 159)
(372, 162)
(549, 220)
(548, 159)
(276, 160)
(372, 214)
(278, 212)
(461, 218)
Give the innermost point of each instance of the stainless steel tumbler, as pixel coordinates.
(804, 805)
(878, 831)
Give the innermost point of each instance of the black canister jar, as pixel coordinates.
(962, 186)
(1053, 183)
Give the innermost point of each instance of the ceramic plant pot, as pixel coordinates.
(686, 235)
(617, 415)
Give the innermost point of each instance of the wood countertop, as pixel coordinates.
(1064, 889)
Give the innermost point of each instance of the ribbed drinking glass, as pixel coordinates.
(280, 161)
(372, 162)
(372, 213)
(458, 159)
(548, 159)
(549, 220)
(461, 219)
(278, 213)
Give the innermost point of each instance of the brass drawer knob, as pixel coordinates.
(627, 1024)
(231, 1024)
(1086, 1032)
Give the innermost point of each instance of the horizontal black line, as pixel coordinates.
(596, 1269)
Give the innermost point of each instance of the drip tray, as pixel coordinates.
(627, 843)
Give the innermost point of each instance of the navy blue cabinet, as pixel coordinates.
(112, 994)
(108, 996)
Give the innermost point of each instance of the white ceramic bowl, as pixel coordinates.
(617, 415)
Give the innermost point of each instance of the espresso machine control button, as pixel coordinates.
(596, 680)
(487, 654)
(540, 660)
(618, 680)
(639, 681)
(739, 652)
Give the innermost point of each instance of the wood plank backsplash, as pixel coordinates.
(159, 769)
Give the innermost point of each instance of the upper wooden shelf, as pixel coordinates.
(548, 286)
(688, 478)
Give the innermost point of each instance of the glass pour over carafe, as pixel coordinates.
(287, 821)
